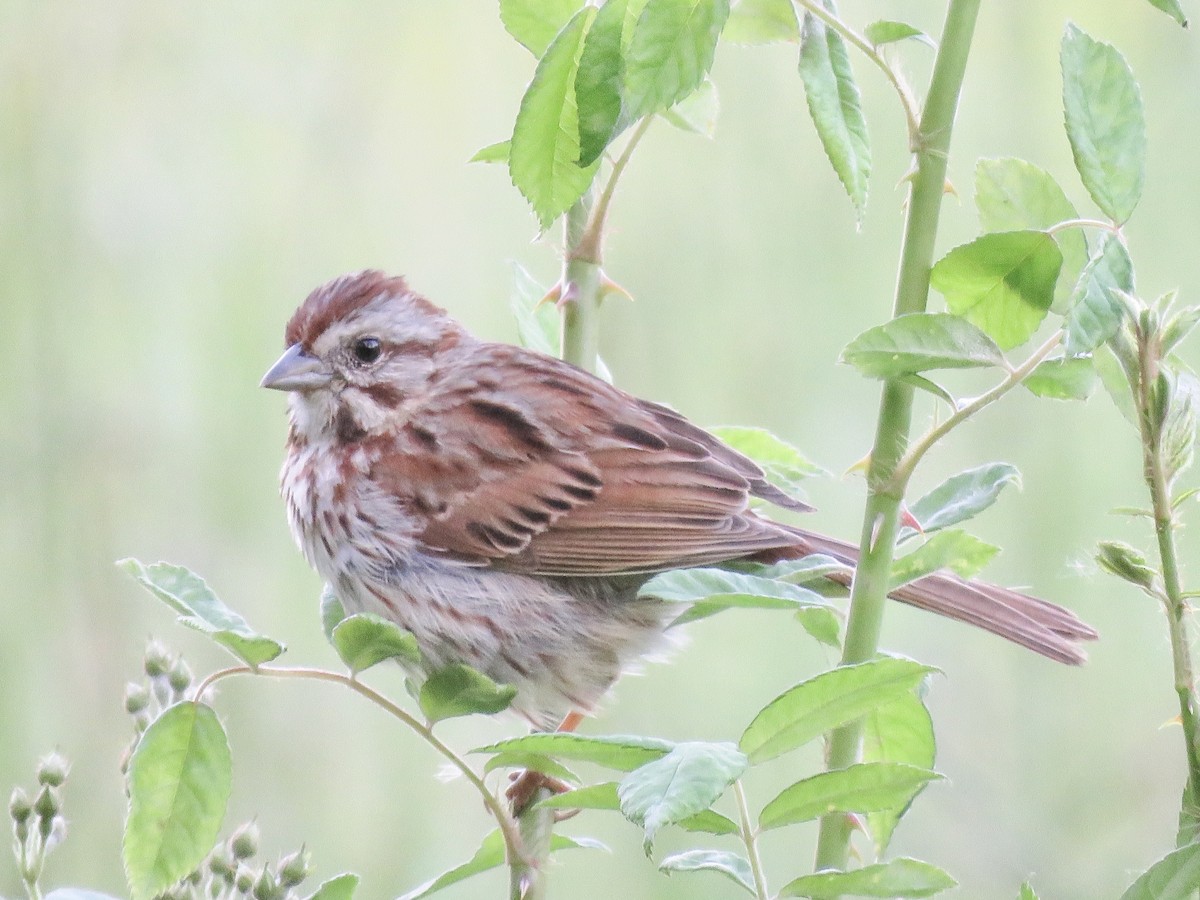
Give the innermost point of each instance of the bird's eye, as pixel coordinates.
(366, 349)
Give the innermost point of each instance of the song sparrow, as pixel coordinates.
(505, 507)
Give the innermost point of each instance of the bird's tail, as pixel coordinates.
(1043, 627)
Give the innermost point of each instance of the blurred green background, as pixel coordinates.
(175, 177)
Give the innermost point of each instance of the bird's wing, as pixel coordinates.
(555, 472)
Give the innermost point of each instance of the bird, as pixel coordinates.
(506, 507)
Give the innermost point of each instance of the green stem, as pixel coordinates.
(30, 860)
(882, 514)
(908, 463)
(508, 828)
(588, 244)
(580, 305)
(750, 840)
(1176, 607)
(907, 101)
(580, 301)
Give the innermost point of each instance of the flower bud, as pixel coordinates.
(47, 805)
(19, 807)
(266, 888)
(180, 677)
(223, 865)
(52, 770)
(137, 698)
(244, 843)
(245, 881)
(294, 868)
(157, 660)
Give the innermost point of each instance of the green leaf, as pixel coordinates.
(1095, 311)
(633, 14)
(1172, 9)
(670, 52)
(1189, 819)
(962, 496)
(709, 591)
(1178, 436)
(1126, 562)
(962, 553)
(686, 781)
(1063, 379)
(697, 585)
(459, 690)
(761, 22)
(544, 153)
(180, 777)
(489, 855)
(1027, 892)
(535, 761)
(822, 625)
(1015, 195)
(621, 752)
(339, 887)
(864, 787)
(901, 877)
(833, 698)
(537, 321)
(709, 822)
(1173, 877)
(932, 387)
(1112, 376)
(731, 865)
(1004, 282)
(898, 732)
(198, 607)
(918, 342)
(697, 112)
(493, 153)
(365, 639)
(332, 612)
(784, 465)
(593, 796)
(534, 23)
(599, 82)
(1105, 123)
(835, 107)
(814, 568)
(1178, 327)
(886, 31)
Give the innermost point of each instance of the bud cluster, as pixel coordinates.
(231, 872)
(38, 824)
(165, 682)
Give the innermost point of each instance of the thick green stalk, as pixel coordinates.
(581, 294)
(580, 304)
(882, 515)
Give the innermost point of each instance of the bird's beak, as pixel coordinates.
(296, 370)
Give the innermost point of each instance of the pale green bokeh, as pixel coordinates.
(175, 177)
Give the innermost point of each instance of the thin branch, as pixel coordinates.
(508, 828)
(908, 462)
(1084, 223)
(750, 840)
(588, 247)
